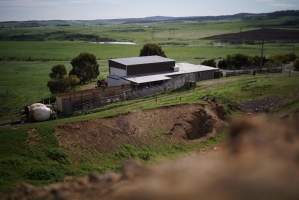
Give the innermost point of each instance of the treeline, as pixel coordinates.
(57, 35)
(241, 61)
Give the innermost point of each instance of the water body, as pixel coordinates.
(122, 43)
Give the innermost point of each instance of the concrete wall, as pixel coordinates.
(118, 72)
(206, 75)
(116, 81)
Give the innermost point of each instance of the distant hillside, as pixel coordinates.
(252, 36)
(239, 16)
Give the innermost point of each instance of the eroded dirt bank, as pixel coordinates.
(181, 122)
(259, 161)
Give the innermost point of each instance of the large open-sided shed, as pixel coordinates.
(140, 65)
(153, 70)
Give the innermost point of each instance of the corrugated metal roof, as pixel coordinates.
(142, 60)
(184, 68)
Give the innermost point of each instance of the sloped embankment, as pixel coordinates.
(259, 151)
(180, 122)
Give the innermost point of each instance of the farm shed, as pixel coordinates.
(153, 70)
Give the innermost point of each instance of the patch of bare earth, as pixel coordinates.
(266, 104)
(259, 161)
(190, 121)
(33, 137)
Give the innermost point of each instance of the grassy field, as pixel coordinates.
(46, 162)
(24, 73)
(25, 65)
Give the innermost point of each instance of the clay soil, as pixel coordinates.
(181, 122)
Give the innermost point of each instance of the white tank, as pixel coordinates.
(40, 112)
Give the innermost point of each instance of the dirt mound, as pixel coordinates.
(190, 121)
(259, 161)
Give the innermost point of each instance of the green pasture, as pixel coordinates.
(46, 162)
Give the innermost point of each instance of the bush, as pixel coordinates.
(85, 67)
(291, 57)
(152, 50)
(237, 61)
(218, 74)
(256, 61)
(284, 58)
(210, 63)
(128, 151)
(57, 155)
(43, 173)
(296, 65)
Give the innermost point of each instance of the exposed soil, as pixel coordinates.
(179, 122)
(267, 34)
(262, 105)
(259, 161)
(33, 137)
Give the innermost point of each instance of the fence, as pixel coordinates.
(229, 73)
(87, 102)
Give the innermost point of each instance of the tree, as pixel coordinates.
(85, 67)
(73, 81)
(210, 63)
(58, 85)
(152, 50)
(58, 72)
(256, 61)
(296, 65)
(237, 61)
(222, 64)
(284, 58)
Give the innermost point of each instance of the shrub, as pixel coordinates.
(237, 61)
(210, 62)
(256, 61)
(218, 74)
(43, 173)
(296, 65)
(128, 151)
(152, 50)
(284, 58)
(57, 155)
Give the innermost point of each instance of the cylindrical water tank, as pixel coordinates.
(40, 112)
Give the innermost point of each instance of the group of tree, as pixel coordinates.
(84, 68)
(241, 61)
